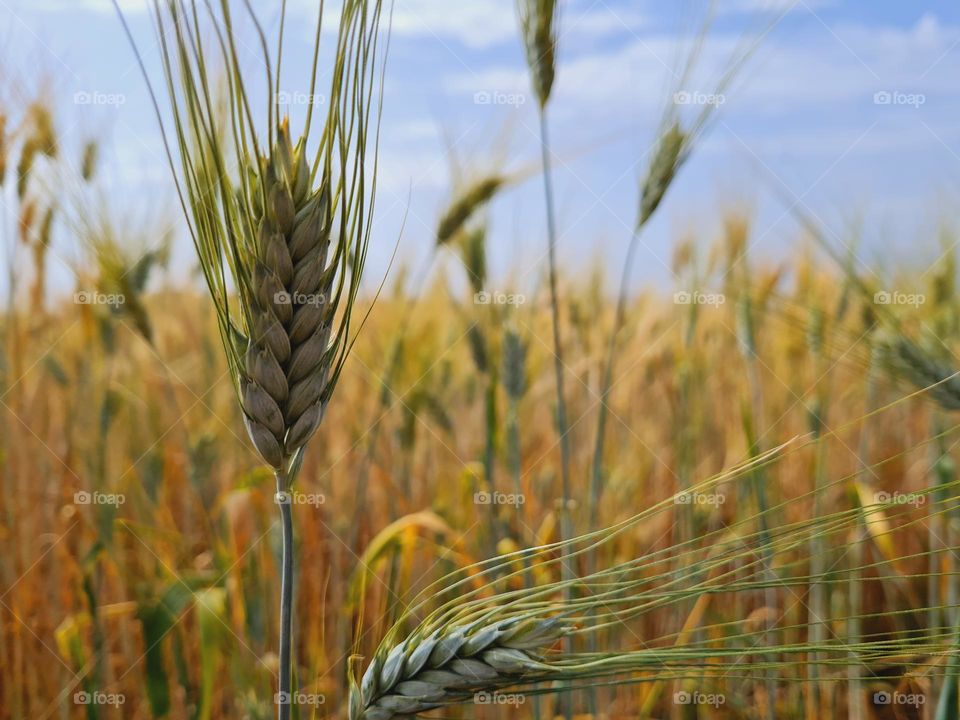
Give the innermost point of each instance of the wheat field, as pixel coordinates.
(731, 494)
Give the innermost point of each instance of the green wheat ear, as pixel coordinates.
(287, 229)
(281, 234)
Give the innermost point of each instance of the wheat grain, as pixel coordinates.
(538, 22)
(909, 360)
(666, 160)
(465, 205)
(4, 147)
(450, 664)
(284, 377)
(514, 364)
(88, 162)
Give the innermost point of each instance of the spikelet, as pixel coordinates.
(28, 154)
(473, 252)
(538, 21)
(667, 157)
(3, 147)
(42, 131)
(514, 364)
(289, 230)
(907, 359)
(88, 161)
(286, 365)
(429, 670)
(465, 205)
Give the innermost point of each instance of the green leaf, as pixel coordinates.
(211, 610)
(156, 623)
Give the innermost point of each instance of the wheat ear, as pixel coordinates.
(289, 230)
(451, 664)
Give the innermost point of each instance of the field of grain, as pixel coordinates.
(730, 496)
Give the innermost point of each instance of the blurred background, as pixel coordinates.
(802, 253)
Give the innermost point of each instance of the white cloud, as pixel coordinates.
(476, 24)
(746, 6)
(97, 6)
(843, 66)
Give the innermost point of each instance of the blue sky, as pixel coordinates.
(852, 109)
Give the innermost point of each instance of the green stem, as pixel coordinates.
(618, 323)
(566, 572)
(286, 599)
(857, 553)
(602, 412)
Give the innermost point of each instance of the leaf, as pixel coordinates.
(157, 619)
(155, 622)
(948, 706)
(211, 614)
(56, 371)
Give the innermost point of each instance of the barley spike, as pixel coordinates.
(450, 664)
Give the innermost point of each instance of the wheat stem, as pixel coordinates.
(558, 365)
(286, 597)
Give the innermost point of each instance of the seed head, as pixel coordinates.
(514, 364)
(920, 367)
(430, 669)
(465, 204)
(667, 158)
(538, 22)
(88, 162)
(3, 147)
(289, 232)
